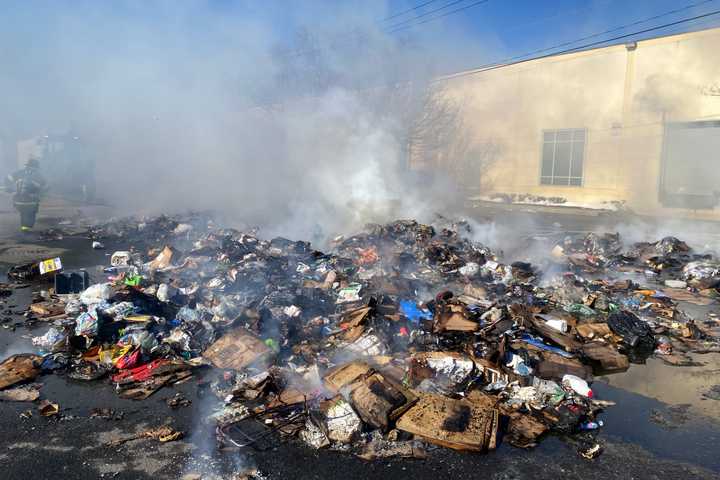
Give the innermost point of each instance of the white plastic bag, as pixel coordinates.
(97, 293)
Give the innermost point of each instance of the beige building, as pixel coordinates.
(638, 123)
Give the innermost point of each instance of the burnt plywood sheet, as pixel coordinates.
(19, 368)
(457, 424)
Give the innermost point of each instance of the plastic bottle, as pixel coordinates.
(578, 385)
(557, 324)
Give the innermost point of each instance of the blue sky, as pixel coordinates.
(515, 27)
(503, 28)
(500, 28)
(74, 54)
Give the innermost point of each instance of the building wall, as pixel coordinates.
(622, 96)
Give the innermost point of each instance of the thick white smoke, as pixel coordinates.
(204, 105)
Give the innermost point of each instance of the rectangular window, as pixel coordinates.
(563, 153)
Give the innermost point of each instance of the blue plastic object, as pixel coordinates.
(537, 343)
(411, 311)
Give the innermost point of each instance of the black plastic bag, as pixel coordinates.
(635, 333)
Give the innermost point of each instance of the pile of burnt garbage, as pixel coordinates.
(405, 336)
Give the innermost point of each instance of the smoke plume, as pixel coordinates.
(294, 119)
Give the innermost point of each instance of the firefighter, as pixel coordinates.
(26, 185)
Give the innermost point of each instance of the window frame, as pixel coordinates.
(552, 177)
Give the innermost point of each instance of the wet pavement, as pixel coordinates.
(675, 385)
(663, 426)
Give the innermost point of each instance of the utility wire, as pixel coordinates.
(393, 28)
(425, 14)
(445, 14)
(700, 25)
(504, 62)
(399, 14)
(507, 62)
(616, 29)
(655, 17)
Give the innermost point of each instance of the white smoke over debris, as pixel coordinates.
(296, 118)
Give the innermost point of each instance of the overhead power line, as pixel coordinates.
(510, 60)
(655, 17)
(507, 62)
(392, 28)
(445, 14)
(400, 14)
(616, 29)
